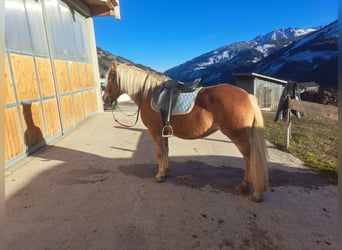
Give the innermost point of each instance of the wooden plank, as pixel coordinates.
(327, 111)
(78, 107)
(13, 135)
(52, 117)
(93, 103)
(90, 103)
(24, 77)
(83, 75)
(9, 90)
(44, 72)
(34, 131)
(74, 79)
(62, 76)
(91, 82)
(85, 96)
(67, 112)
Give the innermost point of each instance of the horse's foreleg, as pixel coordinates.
(162, 150)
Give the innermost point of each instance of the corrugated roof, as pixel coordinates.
(260, 76)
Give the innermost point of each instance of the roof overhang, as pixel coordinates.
(91, 8)
(255, 75)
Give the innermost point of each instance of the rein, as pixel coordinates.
(137, 112)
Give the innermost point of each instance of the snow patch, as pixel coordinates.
(310, 55)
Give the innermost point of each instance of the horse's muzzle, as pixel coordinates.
(106, 99)
(108, 103)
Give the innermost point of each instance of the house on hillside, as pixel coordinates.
(51, 81)
(267, 89)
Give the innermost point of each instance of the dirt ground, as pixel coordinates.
(93, 189)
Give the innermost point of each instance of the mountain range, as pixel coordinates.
(105, 58)
(291, 54)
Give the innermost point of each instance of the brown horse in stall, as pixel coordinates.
(225, 107)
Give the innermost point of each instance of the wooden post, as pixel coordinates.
(327, 111)
(288, 125)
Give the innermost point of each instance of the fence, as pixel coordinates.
(327, 111)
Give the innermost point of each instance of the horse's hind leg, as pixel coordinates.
(245, 151)
(162, 150)
(241, 141)
(246, 182)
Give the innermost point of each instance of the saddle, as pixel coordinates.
(165, 98)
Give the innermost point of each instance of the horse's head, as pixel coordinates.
(112, 90)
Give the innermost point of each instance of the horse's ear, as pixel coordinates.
(113, 67)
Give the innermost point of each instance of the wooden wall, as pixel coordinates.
(266, 91)
(44, 99)
(50, 83)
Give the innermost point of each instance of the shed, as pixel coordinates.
(51, 79)
(309, 86)
(267, 89)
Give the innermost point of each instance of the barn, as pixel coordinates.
(267, 89)
(51, 77)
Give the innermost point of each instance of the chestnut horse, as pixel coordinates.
(225, 107)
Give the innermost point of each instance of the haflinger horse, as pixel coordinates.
(220, 107)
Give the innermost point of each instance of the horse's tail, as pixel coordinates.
(259, 155)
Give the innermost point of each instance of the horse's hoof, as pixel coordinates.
(255, 197)
(241, 188)
(158, 179)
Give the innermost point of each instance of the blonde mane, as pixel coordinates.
(134, 80)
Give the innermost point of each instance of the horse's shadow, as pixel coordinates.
(222, 173)
(199, 174)
(204, 172)
(193, 174)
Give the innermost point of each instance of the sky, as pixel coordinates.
(164, 34)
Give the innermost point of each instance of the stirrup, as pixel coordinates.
(167, 131)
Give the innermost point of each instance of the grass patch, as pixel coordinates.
(313, 140)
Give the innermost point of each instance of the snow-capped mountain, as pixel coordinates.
(256, 55)
(312, 58)
(281, 34)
